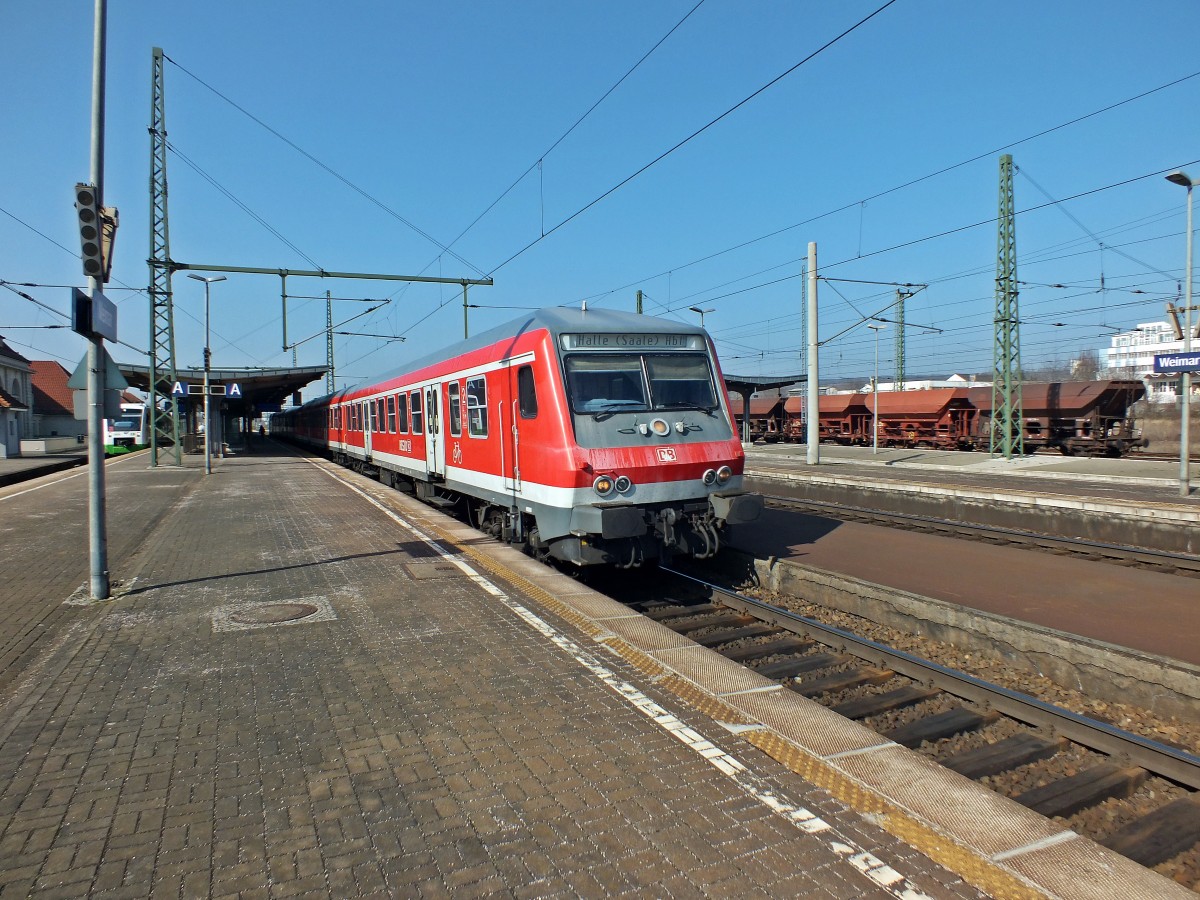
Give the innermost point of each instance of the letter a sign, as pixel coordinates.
(233, 390)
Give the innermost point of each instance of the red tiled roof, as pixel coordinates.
(8, 401)
(51, 396)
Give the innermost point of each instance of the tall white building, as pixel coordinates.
(1132, 356)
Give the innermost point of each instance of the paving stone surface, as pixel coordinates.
(412, 737)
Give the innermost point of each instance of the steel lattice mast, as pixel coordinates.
(328, 343)
(1007, 432)
(162, 322)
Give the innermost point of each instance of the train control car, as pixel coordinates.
(587, 436)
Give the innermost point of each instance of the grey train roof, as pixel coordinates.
(556, 319)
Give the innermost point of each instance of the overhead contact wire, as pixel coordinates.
(693, 135)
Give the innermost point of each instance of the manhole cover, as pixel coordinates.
(272, 613)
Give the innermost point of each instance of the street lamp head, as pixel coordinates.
(1181, 178)
(697, 309)
(875, 327)
(206, 280)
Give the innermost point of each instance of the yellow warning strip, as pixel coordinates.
(968, 863)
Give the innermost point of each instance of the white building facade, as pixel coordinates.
(1132, 356)
(16, 399)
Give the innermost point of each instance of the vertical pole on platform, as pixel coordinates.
(97, 529)
(812, 407)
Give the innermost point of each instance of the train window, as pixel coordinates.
(680, 382)
(477, 407)
(391, 414)
(526, 392)
(416, 412)
(402, 411)
(608, 382)
(455, 409)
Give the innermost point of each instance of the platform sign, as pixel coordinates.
(185, 389)
(1176, 363)
(94, 316)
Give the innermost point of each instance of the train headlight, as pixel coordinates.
(660, 427)
(710, 477)
(623, 484)
(724, 474)
(603, 485)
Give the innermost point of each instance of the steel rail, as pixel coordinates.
(1155, 757)
(1183, 561)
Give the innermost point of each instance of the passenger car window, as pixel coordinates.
(455, 409)
(417, 424)
(477, 407)
(391, 413)
(402, 410)
(526, 392)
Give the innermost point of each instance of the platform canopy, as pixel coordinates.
(260, 389)
(745, 386)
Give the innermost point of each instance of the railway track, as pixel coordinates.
(1137, 796)
(1174, 563)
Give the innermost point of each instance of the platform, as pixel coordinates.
(1157, 478)
(308, 683)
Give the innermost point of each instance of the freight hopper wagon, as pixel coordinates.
(589, 437)
(766, 418)
(1077, 418)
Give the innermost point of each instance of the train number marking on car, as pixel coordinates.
(666, 454)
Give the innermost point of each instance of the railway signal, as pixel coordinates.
(88, 211)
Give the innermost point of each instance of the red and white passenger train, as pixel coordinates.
(588, 436)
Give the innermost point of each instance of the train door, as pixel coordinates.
(508, 422)
(368, 420)
(435, 442)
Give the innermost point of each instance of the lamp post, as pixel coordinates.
(207, 368)
(1185, 379)
(697, 309)
(875, 390)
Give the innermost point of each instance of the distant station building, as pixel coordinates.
(15, 400)
(1132, 356)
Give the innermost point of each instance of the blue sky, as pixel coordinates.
(434, 110)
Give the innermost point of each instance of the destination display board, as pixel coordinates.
(622, 341)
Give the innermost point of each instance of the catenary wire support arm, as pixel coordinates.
(283, 274)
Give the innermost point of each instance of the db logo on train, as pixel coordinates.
(666, 454)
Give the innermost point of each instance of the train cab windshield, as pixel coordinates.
(607, 383)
